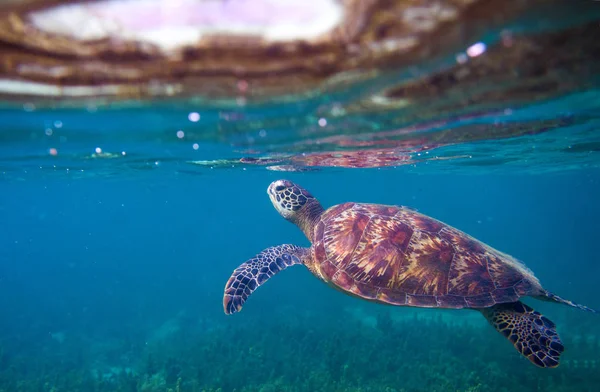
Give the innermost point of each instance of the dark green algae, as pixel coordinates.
(358, 350)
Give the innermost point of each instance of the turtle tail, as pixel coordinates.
(555, 298)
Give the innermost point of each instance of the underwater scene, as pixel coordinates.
(427, 173)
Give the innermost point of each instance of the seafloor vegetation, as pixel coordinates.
(298, 351)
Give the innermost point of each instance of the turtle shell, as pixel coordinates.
(398, 256)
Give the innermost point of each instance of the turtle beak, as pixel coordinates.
(275, 184)
(271, 191)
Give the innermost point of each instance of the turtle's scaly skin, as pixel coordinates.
(398, 256)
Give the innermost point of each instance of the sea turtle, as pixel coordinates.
(395, 255)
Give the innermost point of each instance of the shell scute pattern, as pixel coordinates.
(396, 255)
(452, 302)
(318, 252)
(419, 221)
(380, 253)
(461, 241)
(343, 229)
(480, 301)
(327, 270)
(422, 301)
(508, 294)
(336, 210)
(526, 287)
(430, 259)
(376, 209)
(342, 279)
(502, 273)
(469, 275)
(365, 290)
(392, 296)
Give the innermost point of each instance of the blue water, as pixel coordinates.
(99, 273)
(120, 224)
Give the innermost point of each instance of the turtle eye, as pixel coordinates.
(279, 188)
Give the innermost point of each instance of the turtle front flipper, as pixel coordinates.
(247, 277)
(532, 334)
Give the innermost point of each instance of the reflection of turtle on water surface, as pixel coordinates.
(397, 256)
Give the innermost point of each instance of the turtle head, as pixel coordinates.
(295, 204)
(288, 198)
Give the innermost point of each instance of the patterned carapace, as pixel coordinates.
(397, 255)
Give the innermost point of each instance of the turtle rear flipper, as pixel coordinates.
(247, 277)
(532, 334)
